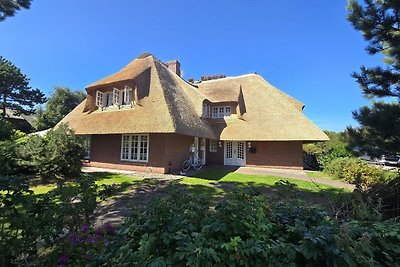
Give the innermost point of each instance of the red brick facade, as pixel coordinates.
(168, 151)
(288, 155)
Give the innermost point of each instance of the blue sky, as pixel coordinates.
(305, 48)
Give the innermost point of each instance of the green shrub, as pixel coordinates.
(57, 154)
(5, 130)
(29, 221)
(355, 171)
(8, 158)
(246, 230)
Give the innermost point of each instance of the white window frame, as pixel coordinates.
(220, 112)
(130, 147)
(87, 145)
(127, 95)
(206, 111)
(108, 99)
(116, 96)
(99, 99)
(213, 145)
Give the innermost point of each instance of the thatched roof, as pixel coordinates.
(271, 115)
(169, 104)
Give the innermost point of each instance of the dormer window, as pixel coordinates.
(206, 110)
(116, 97)
(221, 111)
(127, 96)
(99, 99)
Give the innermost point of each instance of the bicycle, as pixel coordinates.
(194, 162)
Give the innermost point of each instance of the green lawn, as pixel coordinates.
(101, 178)
(212, 177)
(319, 174)
(215, 182)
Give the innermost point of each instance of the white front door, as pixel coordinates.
(234, 153)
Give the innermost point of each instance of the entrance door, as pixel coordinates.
(234, 153)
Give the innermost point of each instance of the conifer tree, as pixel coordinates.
(379, 131)
(15, 92)
(8, 8)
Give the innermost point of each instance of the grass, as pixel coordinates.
(214, 183)
(212, 177)
(101, 178)
(319, 174)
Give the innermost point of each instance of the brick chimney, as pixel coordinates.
(174, 66)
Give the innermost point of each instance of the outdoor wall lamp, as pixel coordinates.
(249, 145)
(220, 143)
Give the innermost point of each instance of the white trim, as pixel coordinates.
(219, 112)
(235, 161)
(130, 147)
(99, 98)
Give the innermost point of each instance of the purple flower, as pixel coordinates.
(99, 232)
(85, 228)
(62, 260)
(91, 240)
(109, 228)
(113, 185)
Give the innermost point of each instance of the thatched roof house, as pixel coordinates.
(147, 117)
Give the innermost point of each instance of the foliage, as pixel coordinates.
(61, 102)
(5, 130)
(379, 22)
(15, 92)
(336, 147)
(380, 131)
(387, 194)
(246, 229)
(58, 154)
(8, 8)
(355, 171)
(28, 222)
(8, 158)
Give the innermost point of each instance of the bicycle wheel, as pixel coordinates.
(197, 164)
(186, 165)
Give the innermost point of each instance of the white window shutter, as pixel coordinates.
(127, 95)
(116, 96)
(99, 99)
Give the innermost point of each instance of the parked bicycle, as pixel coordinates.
(192, 162)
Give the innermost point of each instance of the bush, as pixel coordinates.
(8, 158)
(355, 171)
(29, 221)
(246, 230)
(58, 154)
(5, 130)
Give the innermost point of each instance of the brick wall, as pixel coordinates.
(287, 154)
(177, 151)
(214, 158)
(166, 152)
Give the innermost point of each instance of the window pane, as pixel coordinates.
(227, 111)
(215, 112)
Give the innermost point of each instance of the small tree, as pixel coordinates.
(56, 155)
(8, 8)
(62, 101)
(15, 92)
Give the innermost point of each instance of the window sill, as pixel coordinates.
(134, 161)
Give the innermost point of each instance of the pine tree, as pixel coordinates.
(379, 131)
(15, 92)
(8, 8)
